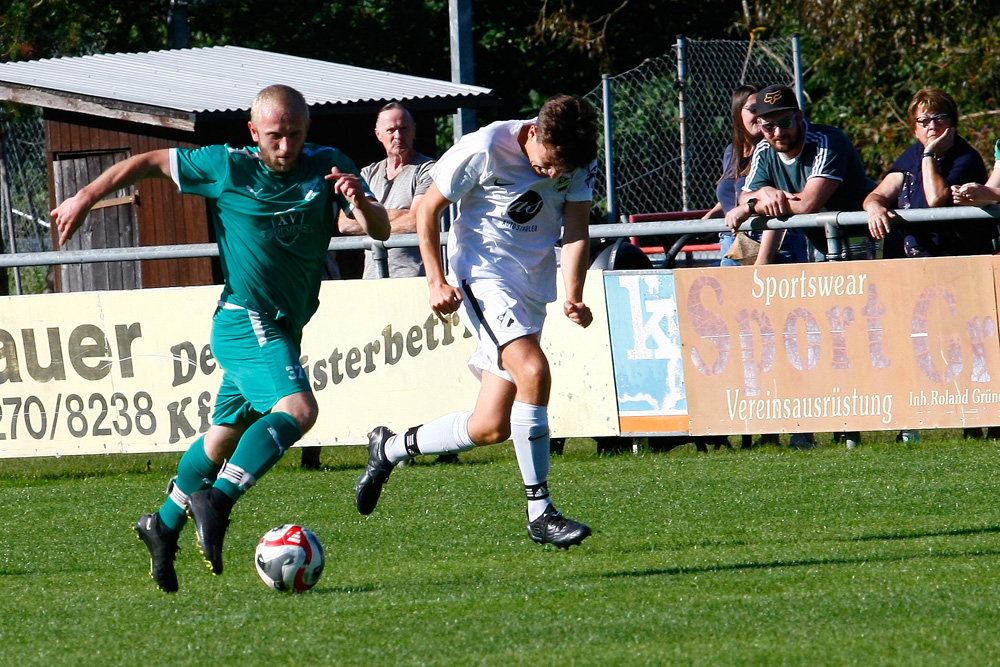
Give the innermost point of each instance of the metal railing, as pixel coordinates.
(834, 224)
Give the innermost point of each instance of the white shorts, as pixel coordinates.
(496, 315)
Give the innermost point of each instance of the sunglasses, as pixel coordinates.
(785, 124)
(937, 119)
(752, 108)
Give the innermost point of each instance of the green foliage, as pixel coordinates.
(34, 280)
(519, 47)
(866, 59)
(51, 28)
(883, 555)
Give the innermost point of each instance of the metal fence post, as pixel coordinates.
(7, 220)
(836, 242)
(797, 70)
(682, 119)
(381, 257)
(609, 153)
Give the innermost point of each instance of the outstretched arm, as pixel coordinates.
(69, 215)
(576, 260)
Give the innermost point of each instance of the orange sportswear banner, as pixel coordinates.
(868, 345)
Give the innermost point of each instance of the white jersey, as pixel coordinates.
(509, 217)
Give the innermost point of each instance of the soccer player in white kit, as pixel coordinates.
(517, 183)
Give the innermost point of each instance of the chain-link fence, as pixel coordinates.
(670, 121)
(24, 183)
(24, 188)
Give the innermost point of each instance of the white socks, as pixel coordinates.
(529, 428)
(442, 436)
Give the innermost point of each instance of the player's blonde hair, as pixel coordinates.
(286, 96)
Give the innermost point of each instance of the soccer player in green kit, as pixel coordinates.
(274, 207)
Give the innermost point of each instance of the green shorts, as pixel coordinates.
(260, 364)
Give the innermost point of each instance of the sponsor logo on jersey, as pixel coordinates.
(311, 189)
(286, 227)
(523, 209)
(497, 183)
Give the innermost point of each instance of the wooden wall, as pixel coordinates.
(164, 217)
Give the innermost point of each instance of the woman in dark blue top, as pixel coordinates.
(746, 134)
(922, 178)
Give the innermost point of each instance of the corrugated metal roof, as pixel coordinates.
(219, 79)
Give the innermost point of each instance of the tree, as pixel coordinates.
(524, 51)
(868, 57)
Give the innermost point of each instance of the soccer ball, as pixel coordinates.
(289, 558)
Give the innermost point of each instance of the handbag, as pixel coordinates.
(744, 249)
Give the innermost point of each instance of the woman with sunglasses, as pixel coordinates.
(922, 178)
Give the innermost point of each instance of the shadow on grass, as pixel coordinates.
(421, 463)
(797, 562)
(955, 532)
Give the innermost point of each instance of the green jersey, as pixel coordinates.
(273, 229)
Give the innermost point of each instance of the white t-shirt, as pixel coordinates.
(509, 217)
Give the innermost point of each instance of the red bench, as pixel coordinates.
(666, 217)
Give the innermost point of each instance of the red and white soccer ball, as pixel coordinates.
(289, 558)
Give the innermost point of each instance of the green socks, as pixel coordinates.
(194, 472)
(262, 445)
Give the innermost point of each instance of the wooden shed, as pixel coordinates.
(101, 109)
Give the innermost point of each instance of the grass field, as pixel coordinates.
(889, 554)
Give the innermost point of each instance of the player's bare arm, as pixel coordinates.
(576, 260)
(70, 214)
(444, 299)
(369, 214)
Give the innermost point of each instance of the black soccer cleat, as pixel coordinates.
(209, 510)
(553, 528)
(162, 545)
(369, 486)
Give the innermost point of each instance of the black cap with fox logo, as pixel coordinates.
(776, 98)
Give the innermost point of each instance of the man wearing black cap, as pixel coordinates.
(798, 168)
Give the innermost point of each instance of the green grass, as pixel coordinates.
(889, 554)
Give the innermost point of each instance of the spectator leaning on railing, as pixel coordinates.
(927, 175)
(923, 177)
(798, 168)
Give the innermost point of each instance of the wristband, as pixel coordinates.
(930, 155)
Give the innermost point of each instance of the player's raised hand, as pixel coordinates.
(348, 185)
(68, 216)
(444, 299)
(578, 313)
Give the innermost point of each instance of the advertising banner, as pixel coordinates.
(132, 371)
(646, 350)
(868, 345)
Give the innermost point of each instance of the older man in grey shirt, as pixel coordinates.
(398, 181)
